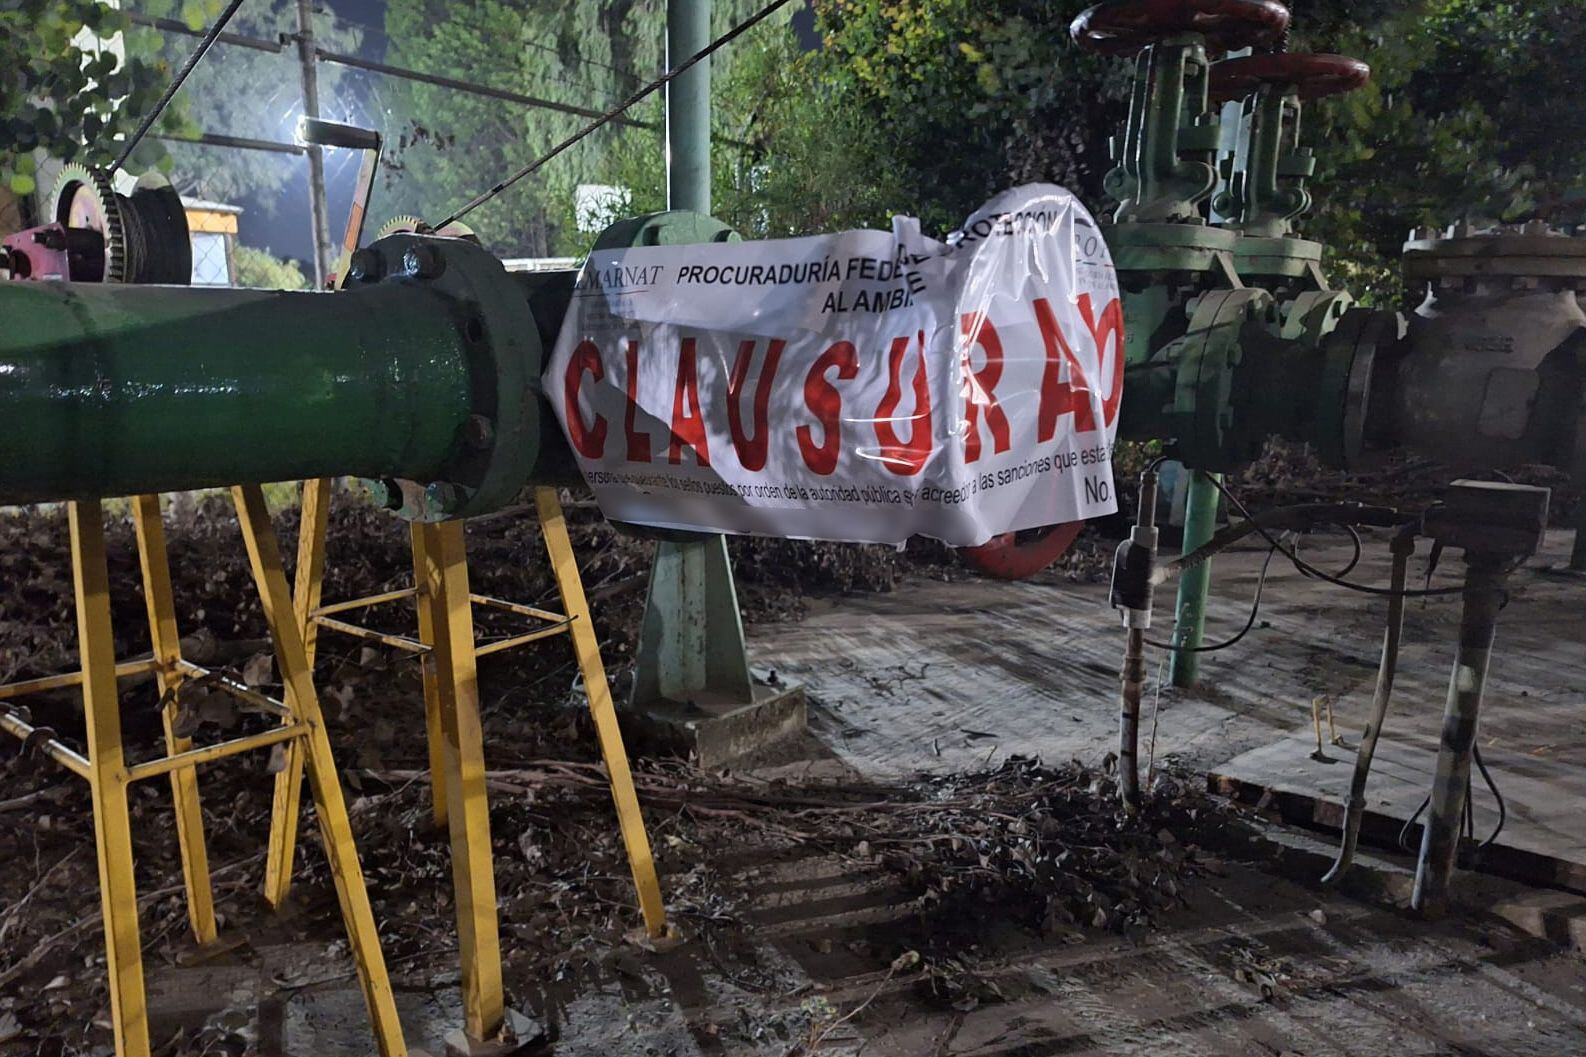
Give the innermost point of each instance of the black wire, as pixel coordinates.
(616, 111)
(1255, 608)
(1503, 809)
(192, 62)
(1470, 812)
(1306, 567)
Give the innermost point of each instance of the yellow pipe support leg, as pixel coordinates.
(442, 574)
(314, 517)
(587, 648)
(330, 806)
(107, 781)
(432, 673)
(161, 604)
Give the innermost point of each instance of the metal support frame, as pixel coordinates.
(109, 776)
(447, 649)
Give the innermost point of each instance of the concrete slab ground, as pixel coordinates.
(946, 676)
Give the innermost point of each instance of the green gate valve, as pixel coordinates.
(1165, 160)
(1265, 191)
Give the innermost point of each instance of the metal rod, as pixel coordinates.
(309, 71)
(55, 749)
(1133, 675)
(1355, 803)
(1577, 558)
(209, 753)
(1484, 580)
(520, 609)
(520, 640)
(55, 682)
(262, 702)
(399, 642)
(356, 63)
(218, 139)
(171, 25)
(367, 600)
(1200, 523)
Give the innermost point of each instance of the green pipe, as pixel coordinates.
(116, 390)
(1200, 523)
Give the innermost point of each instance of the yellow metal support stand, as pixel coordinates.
(161, 604)
(104, 765)
(449, 654)
(107, 781)
(565, 565)
(449, 668)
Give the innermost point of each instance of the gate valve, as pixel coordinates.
(1311, 76)
(1121, 27)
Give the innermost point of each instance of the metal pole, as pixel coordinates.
(688, 107)
(1200, 523)
(318, 215)
(1133, 674)
(1484, 580)
(1355, 804)
(1577, 558)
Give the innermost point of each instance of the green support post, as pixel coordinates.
(1200, 523)
(688, 107)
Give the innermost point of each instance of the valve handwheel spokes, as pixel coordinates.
(1016, 555)
(1313, 76)
(1119, 27)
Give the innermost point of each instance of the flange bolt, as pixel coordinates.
(365, 266)
(422, 262)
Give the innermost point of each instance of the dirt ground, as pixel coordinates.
(996, 907)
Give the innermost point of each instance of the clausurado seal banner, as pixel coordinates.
(864, 386)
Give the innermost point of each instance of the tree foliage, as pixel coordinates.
(73, 77)
(262, 270)
(1466, 116)
(248, 93)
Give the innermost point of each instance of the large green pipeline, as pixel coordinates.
(114, 390)
(423, 371)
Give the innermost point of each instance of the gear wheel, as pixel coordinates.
(144, 236)
(84, 198)
(411, 225)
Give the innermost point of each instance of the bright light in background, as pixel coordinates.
(598, 206)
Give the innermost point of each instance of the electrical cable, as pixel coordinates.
(1306, 567)
(1255, 609)
(208, 41)
(1492, 786)
(654, 86)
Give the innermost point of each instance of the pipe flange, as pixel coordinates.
(498, 446)
(1531, 250)
(1146, 246)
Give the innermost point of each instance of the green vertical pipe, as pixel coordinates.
(688, 107)
(1200, 522)
(112, 390)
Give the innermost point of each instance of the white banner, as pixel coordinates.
(864, 386)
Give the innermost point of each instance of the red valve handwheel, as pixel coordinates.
(1314, 75)
(1122, 26)
(1010, 557)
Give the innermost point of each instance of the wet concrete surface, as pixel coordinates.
(948, 677)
